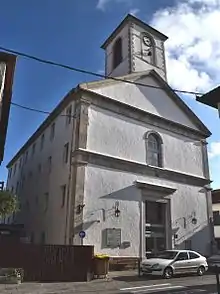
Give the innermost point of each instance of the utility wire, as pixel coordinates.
(38, 110)
(90, 72)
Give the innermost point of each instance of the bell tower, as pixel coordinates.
(134, 46)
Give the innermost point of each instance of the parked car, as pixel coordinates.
(172, 262)
(214, 263)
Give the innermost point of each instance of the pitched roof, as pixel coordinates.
(162, 84)
(133, 19)
(211, 98)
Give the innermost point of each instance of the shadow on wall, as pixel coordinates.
(129, 193)
(196, 241)
(86, 226)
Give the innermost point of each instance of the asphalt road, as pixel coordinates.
(120, 283)
(179, 285)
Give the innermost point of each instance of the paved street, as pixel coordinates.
(120, 283)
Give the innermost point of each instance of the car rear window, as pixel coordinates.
(193, 255)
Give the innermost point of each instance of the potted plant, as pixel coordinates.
(13, 276)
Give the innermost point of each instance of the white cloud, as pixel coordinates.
(193, 47)
(214, 150)
(102, 4)
(134, 11)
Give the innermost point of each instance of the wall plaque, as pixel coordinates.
(113, 237)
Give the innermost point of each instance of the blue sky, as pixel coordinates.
(71, 32)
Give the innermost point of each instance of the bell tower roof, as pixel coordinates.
(135, 20)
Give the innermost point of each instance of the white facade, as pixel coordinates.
(40, 174)
(111, 187)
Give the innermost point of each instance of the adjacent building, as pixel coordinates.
(123, 160)
(216, 215)
(7, 67)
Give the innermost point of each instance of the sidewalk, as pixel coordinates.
(112, 284)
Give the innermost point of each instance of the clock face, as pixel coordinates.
(147, 41)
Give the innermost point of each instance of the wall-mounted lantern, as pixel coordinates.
(79, 208)
(117, 211)
(194, 221)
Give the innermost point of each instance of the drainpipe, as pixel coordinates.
(141, 237)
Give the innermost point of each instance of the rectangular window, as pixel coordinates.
(63, 195)
(42, 142)
(15, 167)
(9, 173)
(26, 156)
(46, 201)
(17, 186)
(20, 162)
(68, 115)
(66, 153)
(22, 182)
(52, 132)
(43, 238)
(33, 149)
(39, 168)
(49, 164)
(216, 218)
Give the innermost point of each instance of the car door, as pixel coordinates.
(194, 260)
(181, 263)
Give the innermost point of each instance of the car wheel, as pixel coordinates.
(168, 273)
(201, 271)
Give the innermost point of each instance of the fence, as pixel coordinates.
(48, 263)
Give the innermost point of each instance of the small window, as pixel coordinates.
(182, 256)
(117, 53)
(33, 149)
(9, 173)
(43, 238)
(46, 201)
(15, 167)
(17, 186)
(20, 162)
(27, 205)
(63, 195)
(39, 168)
(42, 142)
(52, 132)
(193, 255)
(68, 115)
(32, 237)
(26, 156)
(66, 153)
(49, 164)
(30, 174)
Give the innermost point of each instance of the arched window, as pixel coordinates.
(154, 149)
(117, 52)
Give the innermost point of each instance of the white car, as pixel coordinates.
(172, 262)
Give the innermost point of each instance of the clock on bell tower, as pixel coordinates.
(134, 46)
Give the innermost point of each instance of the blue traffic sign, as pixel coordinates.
(82, 234)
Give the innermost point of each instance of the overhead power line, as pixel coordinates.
(22, 54)
(38, 110)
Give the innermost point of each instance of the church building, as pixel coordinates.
(121, 163)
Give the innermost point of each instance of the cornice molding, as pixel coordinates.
(115, 163)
